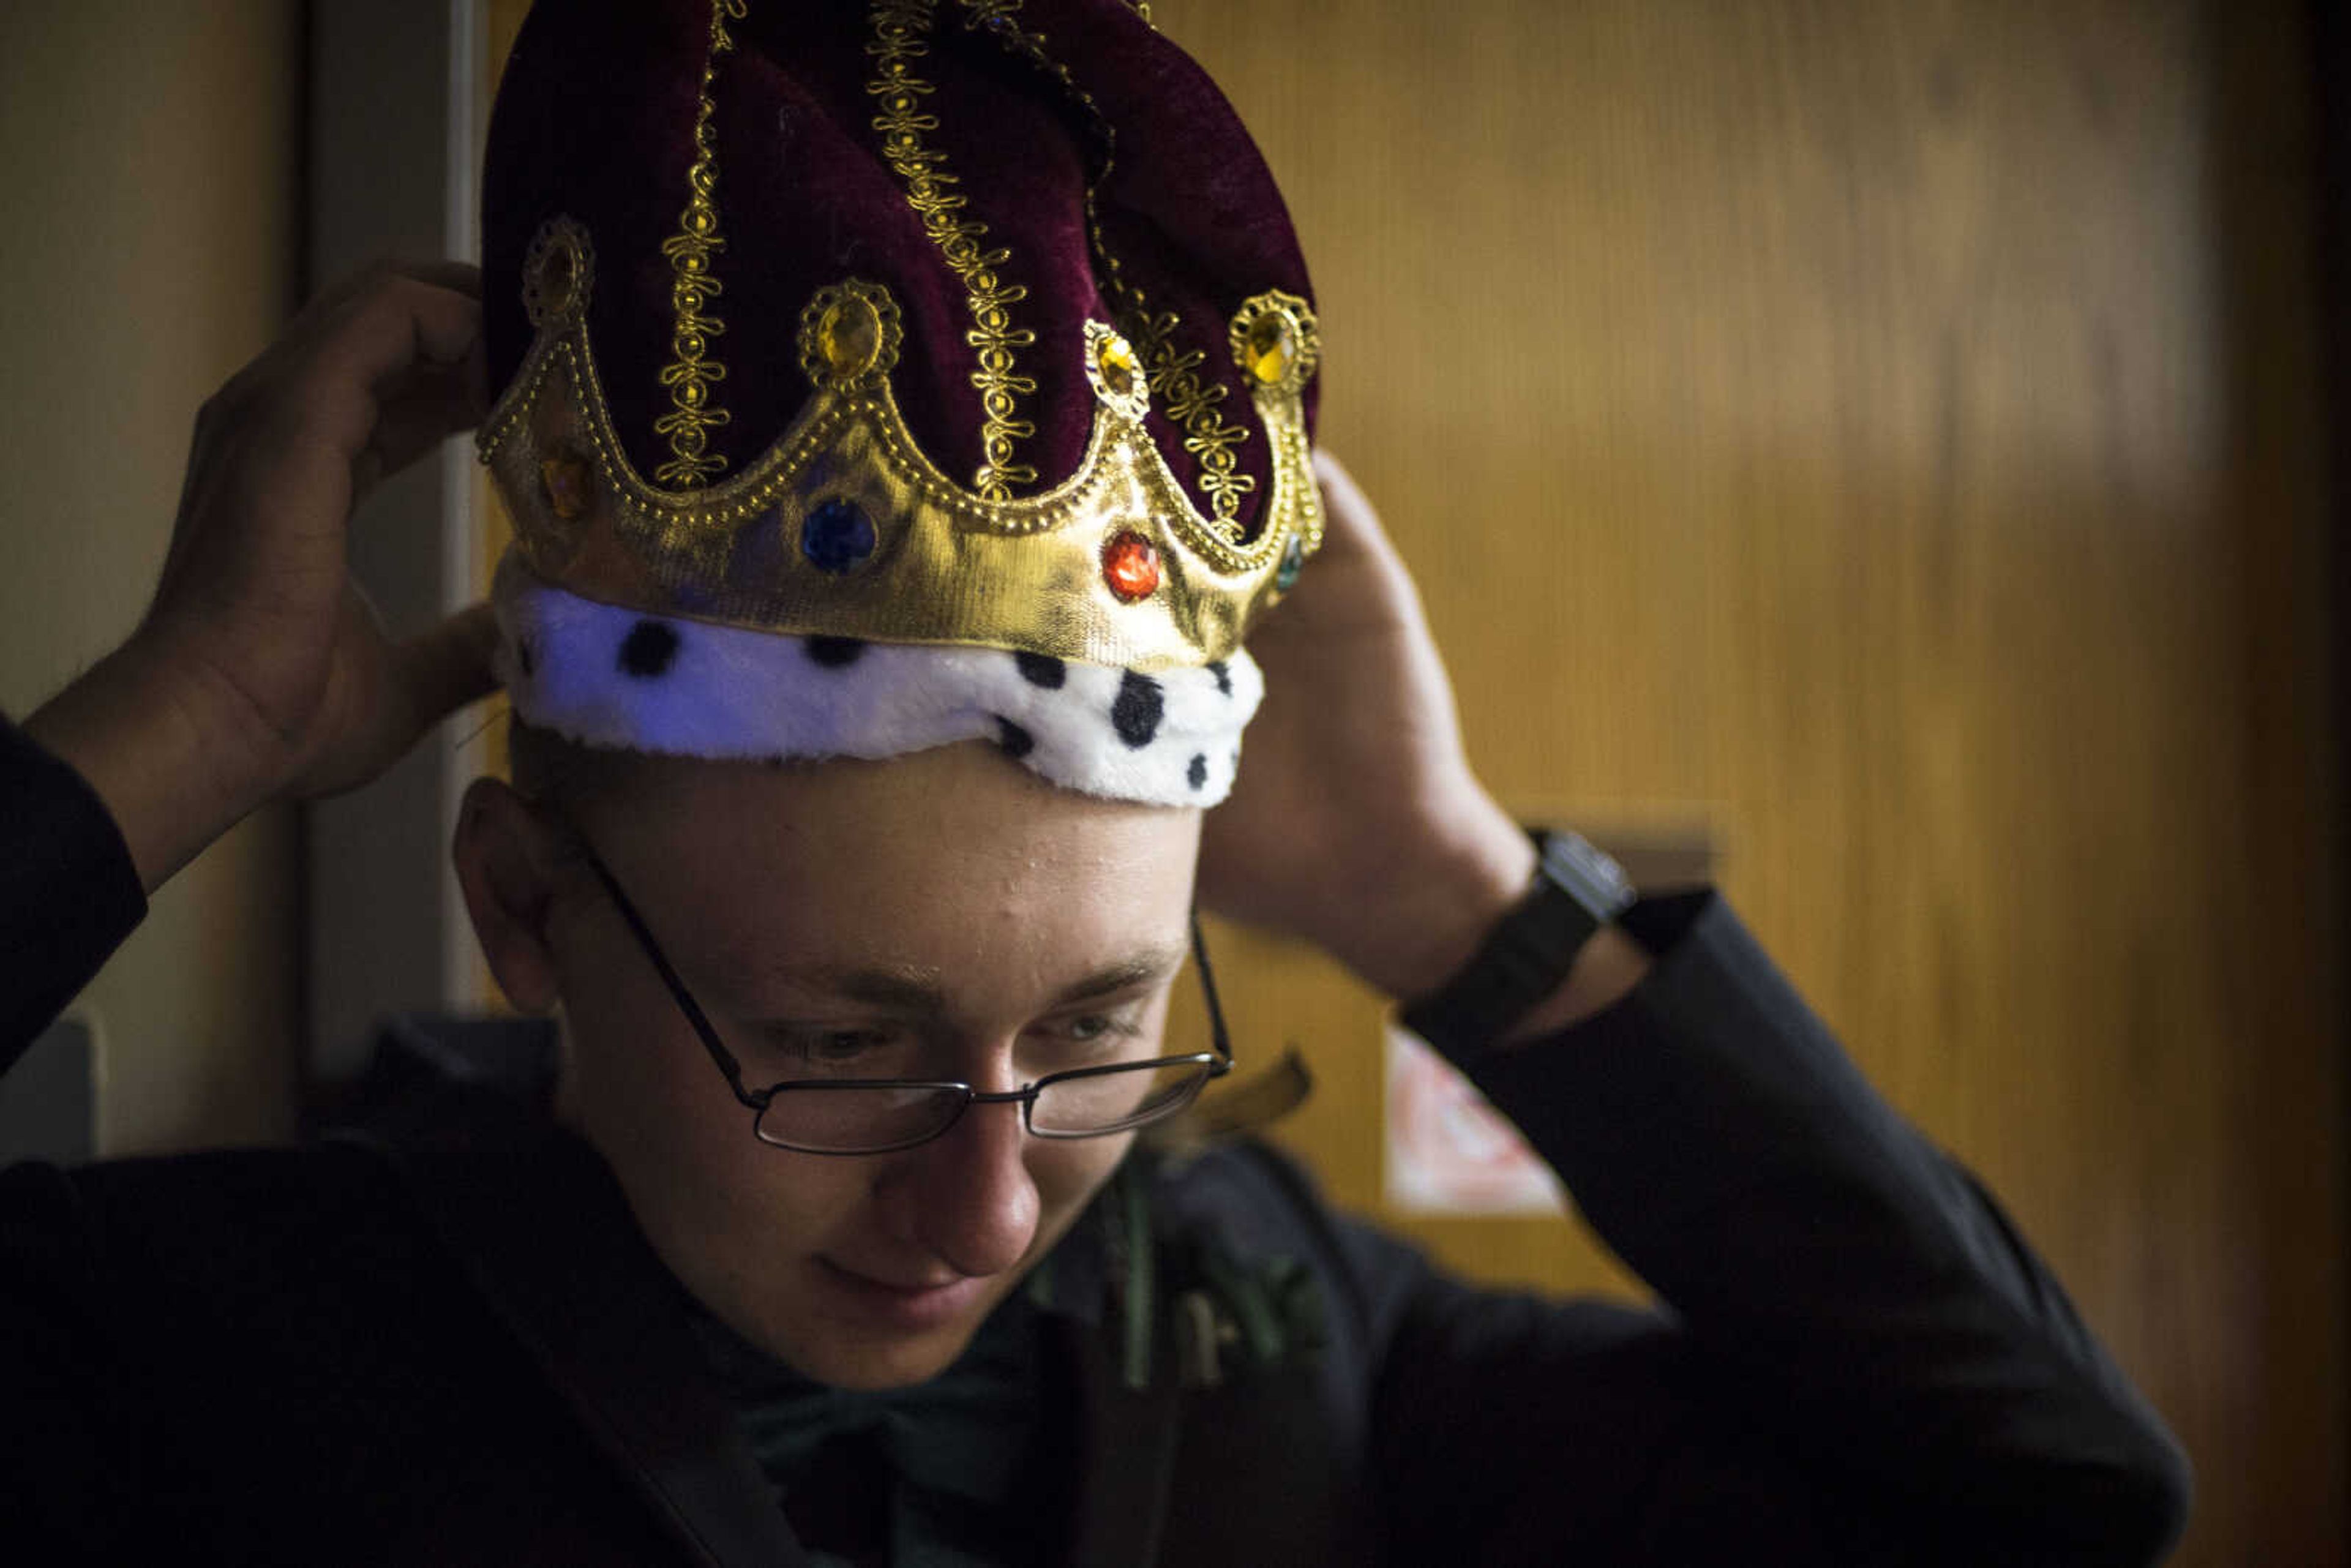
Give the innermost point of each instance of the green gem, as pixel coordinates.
(1293, 561)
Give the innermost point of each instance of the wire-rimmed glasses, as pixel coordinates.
(883, 1115)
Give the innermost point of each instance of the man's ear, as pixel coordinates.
(509, 860)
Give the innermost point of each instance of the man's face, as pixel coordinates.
(991, 925)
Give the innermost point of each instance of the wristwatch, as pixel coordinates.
(1576, 892)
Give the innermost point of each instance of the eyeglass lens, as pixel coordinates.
(814, 1114)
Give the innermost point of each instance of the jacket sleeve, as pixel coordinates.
(1857, 1359)
(69, 893)
(72, 1482)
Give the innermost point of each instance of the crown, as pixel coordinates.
(844, 528)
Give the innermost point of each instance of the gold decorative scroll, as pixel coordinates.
(691, 372)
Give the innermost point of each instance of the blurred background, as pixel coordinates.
(1878, 454)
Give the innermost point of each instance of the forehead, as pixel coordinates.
(954, 860)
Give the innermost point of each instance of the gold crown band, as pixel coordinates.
(844, 527)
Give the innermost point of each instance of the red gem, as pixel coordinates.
(1131, 567)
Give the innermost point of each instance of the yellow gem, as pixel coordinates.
(1118, 364)
(848, 336)
(564, 476)
(555, 280)
(1272, 348)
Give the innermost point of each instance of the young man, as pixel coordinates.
(905, 413)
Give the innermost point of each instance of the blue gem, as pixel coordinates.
(836, 536)
(1293, 561)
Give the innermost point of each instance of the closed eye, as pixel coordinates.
(894, 1048)
(814, 1046)
(843, 1044)
(1085, 1038)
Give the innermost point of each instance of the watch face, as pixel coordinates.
(1598, 883)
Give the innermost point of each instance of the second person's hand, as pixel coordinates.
(260, 671)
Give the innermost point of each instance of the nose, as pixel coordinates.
(967, 1197)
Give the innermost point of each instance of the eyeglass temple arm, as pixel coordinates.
(1217, 1036)
(685, 999)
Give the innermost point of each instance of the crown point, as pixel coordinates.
(849, 336)
(836, 536)
(555, 274)
(564, 479)
(1130, 566)
(557, 281)
(1272, 349)
(1119, 371)
(1274, 341)
(1116, 372)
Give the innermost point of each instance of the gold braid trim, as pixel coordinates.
(1173, 378)
(899, 27)
(1194, 404)
(690, 375)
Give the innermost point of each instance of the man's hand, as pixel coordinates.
(1355, 822)
(260, 671)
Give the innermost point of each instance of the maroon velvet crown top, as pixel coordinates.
(831, 125)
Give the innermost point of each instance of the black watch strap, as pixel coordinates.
(1526, 956)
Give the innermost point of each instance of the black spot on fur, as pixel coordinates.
(1136, 712)
(1015, 740)
(1041, 669)
(1197, 774)
(649, 649)
(527, 656)
(1224, 676)
(835, 652)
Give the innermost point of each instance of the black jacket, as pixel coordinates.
(449, 1344)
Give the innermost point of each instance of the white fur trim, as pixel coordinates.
(692, 688)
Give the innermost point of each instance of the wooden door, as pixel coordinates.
(1884, 435)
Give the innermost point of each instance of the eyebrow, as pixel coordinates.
(918, 991)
